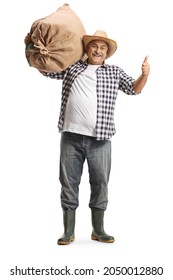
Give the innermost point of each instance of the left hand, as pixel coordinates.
(145, 67)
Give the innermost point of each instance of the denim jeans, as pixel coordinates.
(75, 149)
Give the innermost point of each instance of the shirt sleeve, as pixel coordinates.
(56, 75)
(126, 83)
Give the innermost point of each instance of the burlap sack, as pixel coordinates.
(56, 41)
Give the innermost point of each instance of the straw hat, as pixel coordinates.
(100, 35)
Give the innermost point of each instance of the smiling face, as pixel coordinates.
(97, 52)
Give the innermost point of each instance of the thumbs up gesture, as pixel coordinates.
(145, 67)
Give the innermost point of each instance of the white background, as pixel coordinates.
(139, 212)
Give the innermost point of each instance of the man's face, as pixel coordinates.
(97, 52)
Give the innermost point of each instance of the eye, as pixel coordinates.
(94, 46)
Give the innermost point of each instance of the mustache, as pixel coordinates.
(97, 53)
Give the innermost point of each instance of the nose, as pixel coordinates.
(98, 49)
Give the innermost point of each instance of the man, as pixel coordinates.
(86, 124)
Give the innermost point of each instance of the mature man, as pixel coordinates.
(86, 124)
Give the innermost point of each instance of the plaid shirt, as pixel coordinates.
(110, 79)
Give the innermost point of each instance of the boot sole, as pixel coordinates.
(101, 240)
(66, 242)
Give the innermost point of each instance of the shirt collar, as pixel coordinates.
(105, 65)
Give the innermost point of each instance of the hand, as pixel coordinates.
(27, 39)
(145, 67)
(41, 71)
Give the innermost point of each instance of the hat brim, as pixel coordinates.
(111, 43)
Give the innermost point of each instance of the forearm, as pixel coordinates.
(140, 83)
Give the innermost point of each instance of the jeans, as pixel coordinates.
(75, 148)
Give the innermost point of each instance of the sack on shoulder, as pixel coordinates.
(56, 41)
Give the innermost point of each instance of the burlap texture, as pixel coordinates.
(56, 41)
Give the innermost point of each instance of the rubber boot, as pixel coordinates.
(98, 232)
(69, 224)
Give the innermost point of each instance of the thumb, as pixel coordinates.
(145, 59)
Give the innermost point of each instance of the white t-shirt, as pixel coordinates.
(81, 108)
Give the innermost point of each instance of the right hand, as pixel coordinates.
(41, 71)
(27, 39)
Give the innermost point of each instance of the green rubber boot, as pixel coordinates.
(98, 227)
(69, 224)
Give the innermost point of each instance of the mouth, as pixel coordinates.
(96, 55)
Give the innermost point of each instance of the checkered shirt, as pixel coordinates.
(110, 79)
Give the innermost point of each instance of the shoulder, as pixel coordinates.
(110, 69)
(77, 65)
